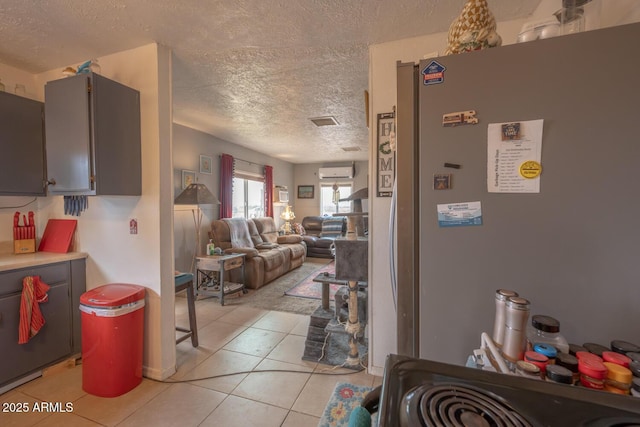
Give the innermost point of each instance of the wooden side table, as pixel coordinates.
(206, 265)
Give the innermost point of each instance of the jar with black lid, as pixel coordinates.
(624, 347)
(571, 363)
(635, 387)
(594, 348)
(546, 330)
(634, 367)
(574, 348)
(635, 357)
(559, 374)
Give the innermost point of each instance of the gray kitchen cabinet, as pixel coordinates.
(22, 164)
(92, 128)
(60, 337)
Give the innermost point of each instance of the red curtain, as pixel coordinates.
(268, 190)
(226, 186)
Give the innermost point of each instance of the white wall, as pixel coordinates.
(307, 174)
(103, 229)
(188, 145)
(382, 87)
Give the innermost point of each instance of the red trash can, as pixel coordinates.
(112, 338)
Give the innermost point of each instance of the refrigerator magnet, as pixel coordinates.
(511, 131)
(530, 169)
(441, 181)
(433, 73)
(459, 118)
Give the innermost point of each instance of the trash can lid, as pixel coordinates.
(113, 295)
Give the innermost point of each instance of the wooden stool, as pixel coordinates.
(185, 281)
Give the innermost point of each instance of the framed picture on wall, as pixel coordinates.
(305, 191)
(188, 178)
(205, 164)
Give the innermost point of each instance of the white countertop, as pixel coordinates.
(12, 261)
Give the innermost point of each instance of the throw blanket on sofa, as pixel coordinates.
(332, 227)
(239, 232)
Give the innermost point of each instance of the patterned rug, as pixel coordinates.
(344, 399)
(307, 288)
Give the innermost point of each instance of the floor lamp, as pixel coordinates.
(196, 195)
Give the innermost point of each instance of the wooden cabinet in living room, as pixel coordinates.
(93, 137)
(22, 164)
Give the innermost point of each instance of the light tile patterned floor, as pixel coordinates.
(232, 339)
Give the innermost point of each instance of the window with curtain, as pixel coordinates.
(328, 205)
(248, 195)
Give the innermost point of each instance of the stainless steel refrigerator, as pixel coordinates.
(573, 248)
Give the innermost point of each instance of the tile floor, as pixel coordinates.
(233, 338)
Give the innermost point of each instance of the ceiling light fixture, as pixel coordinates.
(324, 121)
(351, 149)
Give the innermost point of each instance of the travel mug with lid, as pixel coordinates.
(498, 325)
(516, 316)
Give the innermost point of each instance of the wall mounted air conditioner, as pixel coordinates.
(280, 195)
(336, 172)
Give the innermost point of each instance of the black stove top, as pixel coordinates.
(418, 392)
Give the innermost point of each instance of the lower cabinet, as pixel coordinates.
(59, 337)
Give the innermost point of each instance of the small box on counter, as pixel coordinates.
(24, 246)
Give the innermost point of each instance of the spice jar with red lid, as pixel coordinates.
(585, 355)
(592, 373)
(540, 360)
(617, 358)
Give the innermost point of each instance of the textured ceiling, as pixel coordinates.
(248, 71)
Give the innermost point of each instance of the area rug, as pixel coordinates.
(344, 399)
(272, 295)
(307, 288)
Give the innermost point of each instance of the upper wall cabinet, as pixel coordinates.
(93, 137)
(22, 164)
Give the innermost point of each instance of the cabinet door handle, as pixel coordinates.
(51, 182)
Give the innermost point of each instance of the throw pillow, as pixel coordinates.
(298, 228)
(332, 227)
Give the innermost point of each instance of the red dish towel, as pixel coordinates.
(34, 292)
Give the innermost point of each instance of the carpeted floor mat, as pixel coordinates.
(344, 399)
(272, 295)
(307, 288)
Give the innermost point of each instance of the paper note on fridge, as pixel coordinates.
(514, 151)
(459, 214)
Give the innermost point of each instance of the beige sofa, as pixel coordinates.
(268, 255)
